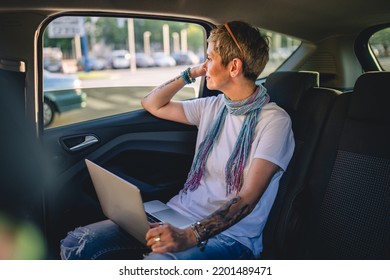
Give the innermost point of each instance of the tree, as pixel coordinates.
(65, 44)
(112, 31)
(381, 38)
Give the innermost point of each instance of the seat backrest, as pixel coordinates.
(21, 156)
(286, 88)
(343, 211)
(308, 106)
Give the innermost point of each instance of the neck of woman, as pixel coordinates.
(240, 90)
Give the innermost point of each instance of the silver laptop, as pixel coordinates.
(122, 203)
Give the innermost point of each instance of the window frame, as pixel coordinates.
(363, 50)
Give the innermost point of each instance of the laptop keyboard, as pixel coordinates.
(152, 219)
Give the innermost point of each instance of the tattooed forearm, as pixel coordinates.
(167, 83)
(160, 87)
(223, 218)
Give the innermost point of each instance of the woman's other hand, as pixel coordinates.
(163, 238)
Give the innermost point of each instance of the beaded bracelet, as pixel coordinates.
(201, 244)
(186, 76)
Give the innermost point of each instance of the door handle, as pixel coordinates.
(88, 141)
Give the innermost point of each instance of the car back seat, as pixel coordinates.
(347, 198)
(308, 106)
(343, 210)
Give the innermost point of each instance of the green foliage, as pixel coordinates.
(65, 44)
(112, 31)
(380, 42)
(381, 37)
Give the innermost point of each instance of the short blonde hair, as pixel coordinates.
(252, 49)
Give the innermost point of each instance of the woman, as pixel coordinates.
(244, 144)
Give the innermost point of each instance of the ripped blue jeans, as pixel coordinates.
(106, 240)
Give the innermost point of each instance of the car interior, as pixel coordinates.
(334, 198)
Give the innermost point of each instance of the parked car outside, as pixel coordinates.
(62, 93)
(94, 63)
(52, 59)
(163, 60)
(119, 59)
(143, 60)
(186, 58)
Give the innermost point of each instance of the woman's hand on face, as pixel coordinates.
(163, 238)
(199, 70)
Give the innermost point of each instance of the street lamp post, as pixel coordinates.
(184, 46)
(166, 39)
(130, 29)
(176, 43)
(147, 35)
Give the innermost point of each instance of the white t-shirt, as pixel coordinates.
(273, 141)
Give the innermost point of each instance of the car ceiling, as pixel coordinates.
(309, 20)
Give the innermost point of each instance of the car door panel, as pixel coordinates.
(152, 153)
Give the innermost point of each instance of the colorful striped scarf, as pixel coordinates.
(251, 107)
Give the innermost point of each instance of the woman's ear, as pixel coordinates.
(236, 67)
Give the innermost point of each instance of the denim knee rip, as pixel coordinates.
(74, 243)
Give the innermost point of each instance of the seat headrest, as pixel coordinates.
(371, 97)
(285, 88)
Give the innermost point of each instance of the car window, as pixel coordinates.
(102, 66)
(281, 48)
(380, 46)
